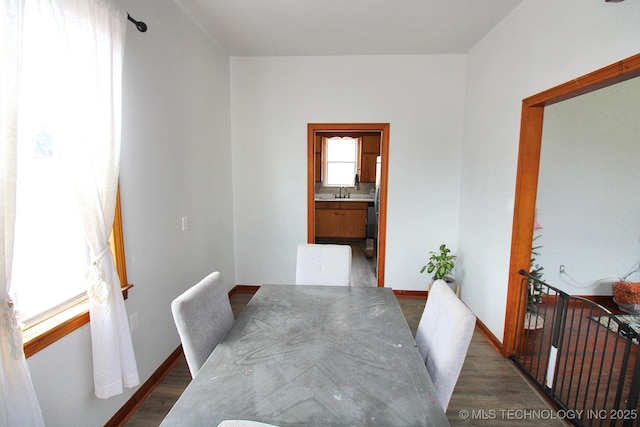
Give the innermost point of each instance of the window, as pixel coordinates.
(342, 161)
(43, 327)
(46, 327)
(50, 254)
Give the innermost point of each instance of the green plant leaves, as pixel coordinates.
(441, 263)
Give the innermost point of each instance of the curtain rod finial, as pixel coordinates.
(141, 26)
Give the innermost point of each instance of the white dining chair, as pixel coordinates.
(323, 264)
(203, 317)
(443, 337)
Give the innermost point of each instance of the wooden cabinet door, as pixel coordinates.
(368, 157)
(328, 222)
(371, 144)
(345, 220)
(354, 223)
(368, 167)
(318, 158)
(318, 167)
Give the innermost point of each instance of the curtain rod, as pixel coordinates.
(141, 26)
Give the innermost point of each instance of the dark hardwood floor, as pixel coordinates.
(490, 390)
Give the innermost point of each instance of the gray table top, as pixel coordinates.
(314, 356)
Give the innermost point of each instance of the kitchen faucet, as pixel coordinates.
(340, 196)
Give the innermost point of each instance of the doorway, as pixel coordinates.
(315, 133)
(527, 182)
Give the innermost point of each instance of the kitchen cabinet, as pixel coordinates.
(368, 157)
(341, 219)
(317, 157)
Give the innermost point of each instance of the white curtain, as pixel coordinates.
(70, 80)
(18, 402)
(92, 153)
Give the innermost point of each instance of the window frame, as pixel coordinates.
(356, 162)
(63, 322)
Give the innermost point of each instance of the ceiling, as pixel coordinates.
(346, 27)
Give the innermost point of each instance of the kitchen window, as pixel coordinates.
(341, 161)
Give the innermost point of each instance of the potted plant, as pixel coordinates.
(626, 295)
(534, 295)
(440, 264)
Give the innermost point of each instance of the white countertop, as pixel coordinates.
(353, 198)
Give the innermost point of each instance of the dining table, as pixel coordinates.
(301, 355)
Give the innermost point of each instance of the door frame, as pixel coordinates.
(527, 182)
(383, 128)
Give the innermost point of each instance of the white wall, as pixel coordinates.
(588, 195)
(272, 101)
(539, 45)
(177, 158)
(176, 161)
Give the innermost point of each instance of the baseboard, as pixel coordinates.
(250, 289)
(605, 301)
(492, 339)
(410, 294)
(138, 398)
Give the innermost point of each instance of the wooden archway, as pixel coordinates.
(527, 180)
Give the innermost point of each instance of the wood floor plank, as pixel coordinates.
(492, 392)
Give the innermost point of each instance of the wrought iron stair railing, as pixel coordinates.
(580, 355)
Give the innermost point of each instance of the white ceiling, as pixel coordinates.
(346, 27)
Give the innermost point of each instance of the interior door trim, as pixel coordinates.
(312, 129)
(527, 181)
